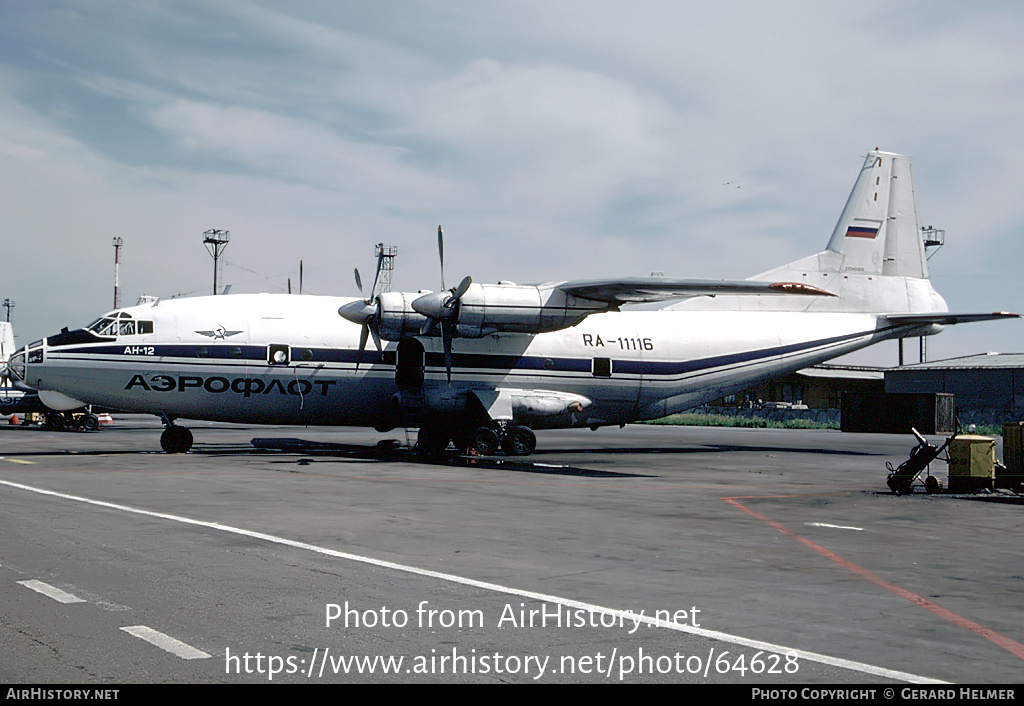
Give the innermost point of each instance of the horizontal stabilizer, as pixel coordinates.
(948, 318)
(636, 290)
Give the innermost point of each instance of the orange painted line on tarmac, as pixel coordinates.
(1011, 646)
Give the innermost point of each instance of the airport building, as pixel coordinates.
(979, 389)
(820, 387)
(988, 388)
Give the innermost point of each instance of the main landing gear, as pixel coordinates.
(513, 439)
(175, 439)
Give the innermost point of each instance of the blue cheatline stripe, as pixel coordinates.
(217, 355)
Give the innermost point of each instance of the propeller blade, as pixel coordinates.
(369, 329)
(372, 325)
(446, 337)
(461, 289)
(380, 265)
(440, 253)
(359, 281)
(363, 334)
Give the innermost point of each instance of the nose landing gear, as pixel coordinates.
(175, 439)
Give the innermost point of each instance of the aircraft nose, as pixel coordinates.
(16, 367)
(17, 370)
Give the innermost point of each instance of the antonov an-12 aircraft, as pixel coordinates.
(485, 364)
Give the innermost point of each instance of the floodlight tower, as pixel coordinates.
(9, 304)
(118, 242)
(215, 242)
(386, 253)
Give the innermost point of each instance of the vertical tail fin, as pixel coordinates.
(875, 260)
(877, 232)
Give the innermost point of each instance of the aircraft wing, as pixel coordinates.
(637, 290)
(948, 317)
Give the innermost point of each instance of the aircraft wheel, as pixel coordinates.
(90, 422)
(485, 441)
(520, 441)
(55, 421)
(176, 440)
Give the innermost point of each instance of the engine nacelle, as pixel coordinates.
(397, 317)
(482, 309)
(510, 308)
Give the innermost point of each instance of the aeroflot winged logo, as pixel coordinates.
(219, 333)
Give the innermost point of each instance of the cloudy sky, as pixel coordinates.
(553, 139)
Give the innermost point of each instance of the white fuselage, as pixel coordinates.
(287, 359)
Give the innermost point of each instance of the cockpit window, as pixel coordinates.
(119, 325)
(104, 327)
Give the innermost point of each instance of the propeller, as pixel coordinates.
(366, 313)
(442, 308)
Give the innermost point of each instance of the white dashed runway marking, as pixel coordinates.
(165, 642)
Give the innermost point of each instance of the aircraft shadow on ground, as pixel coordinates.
(389, 452)
(706, 448)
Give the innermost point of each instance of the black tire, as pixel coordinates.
(90, 422)
(55, 421)
(485, 441)
(520, 441)
(176, 440)
(931, 484)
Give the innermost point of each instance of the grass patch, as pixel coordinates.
(985, 430)
(695, 419)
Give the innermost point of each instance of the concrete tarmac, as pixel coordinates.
(643, 554)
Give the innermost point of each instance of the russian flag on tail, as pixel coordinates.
(863, 229)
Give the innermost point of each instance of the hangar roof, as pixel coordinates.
(980, 361)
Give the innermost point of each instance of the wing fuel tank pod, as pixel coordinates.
(529, 405)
